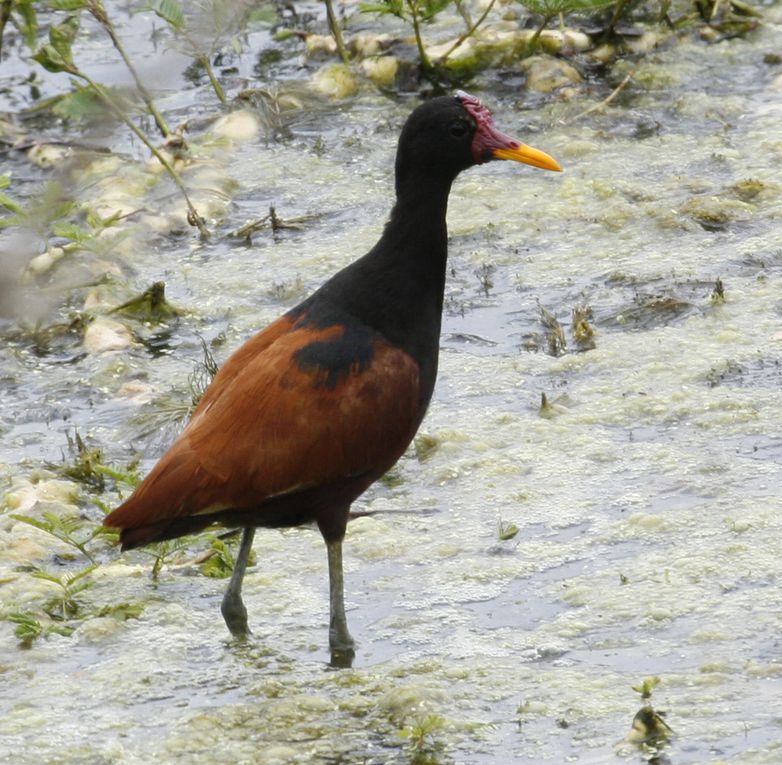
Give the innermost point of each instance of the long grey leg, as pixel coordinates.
(234, 612)
(340, 642)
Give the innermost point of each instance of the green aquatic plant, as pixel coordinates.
(85, 237)
(121, 611)
(54, 212)
(56, 55)
(472, 28)
(718, 293)
(150, 306)
(86, 466)
(419, 733)
(548, 10)
(419, 12)
(202, 375)
(40, 214)
(84, 463)
(171, 12)
(646, 687)
(71, 529)
(161, 552)
(506, 530)
(29, 627)
(649, 728)
(64, 604)
(414, 12)
(9, 203)
(21, 13)
(98, 11)
(218, 561)
(336, 31)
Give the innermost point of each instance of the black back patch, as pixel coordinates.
(333, 360)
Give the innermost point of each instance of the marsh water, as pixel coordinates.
(646, 492)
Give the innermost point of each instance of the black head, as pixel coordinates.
(436, 141)
(446, 135)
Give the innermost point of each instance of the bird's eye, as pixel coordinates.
(458, 129)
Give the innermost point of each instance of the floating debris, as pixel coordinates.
(649, 731)
(336, 81)
(104, 335)
(649, 728)
(583, 331)
(650, 311)
(551, 408)
(506, 530)
(238, 126)
(556, 343)
(546, 74)
(273, 222)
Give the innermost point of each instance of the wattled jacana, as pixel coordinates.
(319, 405)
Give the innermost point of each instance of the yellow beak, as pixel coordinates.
(528, 155)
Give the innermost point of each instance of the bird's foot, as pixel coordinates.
(342, 653)
(235, 615)
(342, 647)
(342, 658)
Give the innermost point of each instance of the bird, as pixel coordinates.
(313, 409)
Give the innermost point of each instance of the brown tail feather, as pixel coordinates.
(163, 530)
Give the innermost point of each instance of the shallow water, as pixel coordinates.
(648, 502)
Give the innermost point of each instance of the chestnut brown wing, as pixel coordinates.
(289, 411)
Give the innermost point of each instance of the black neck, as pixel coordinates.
(397, 287)
(415, 240)
(402, 278)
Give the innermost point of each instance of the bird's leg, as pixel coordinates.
(340, 641)
(234, 612)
